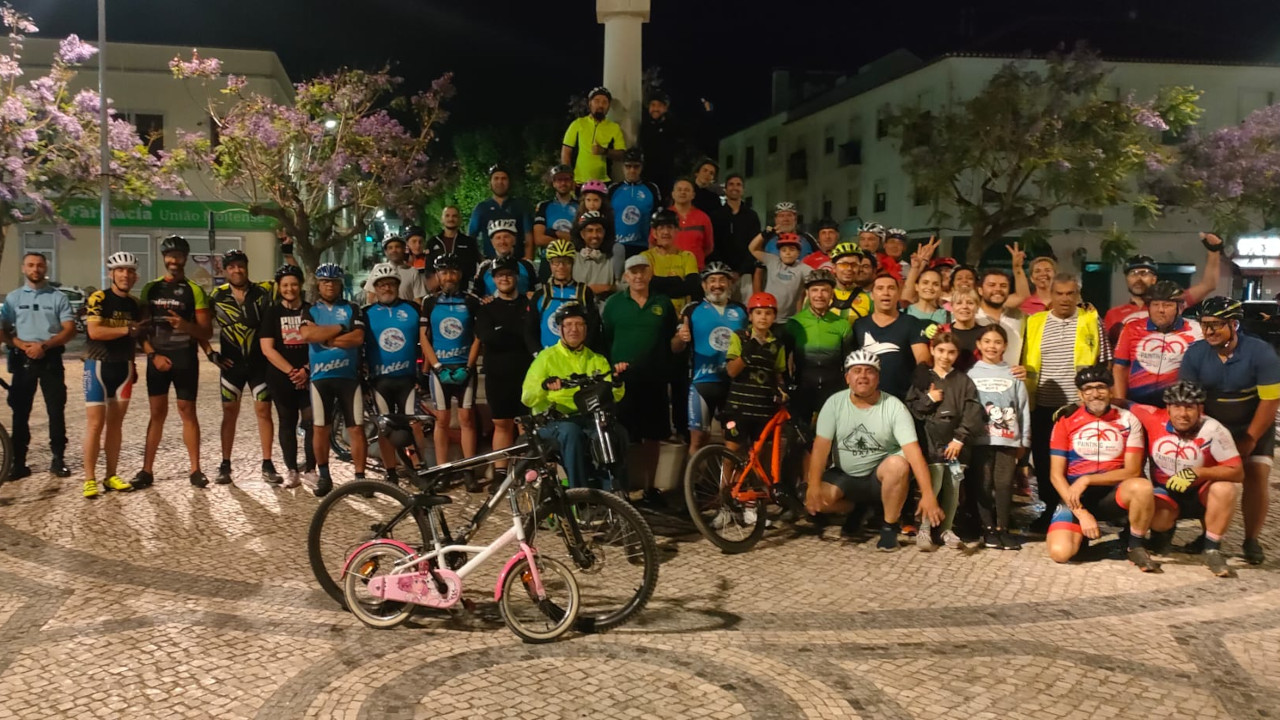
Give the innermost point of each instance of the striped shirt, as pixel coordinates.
(1057, 367)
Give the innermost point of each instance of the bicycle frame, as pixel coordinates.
(772, 431)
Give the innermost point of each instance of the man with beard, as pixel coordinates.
(828, 238)
(502, 233)
(1149, 353)
(453, 241)
(553, 218)
(735, 225)
(706, 194)
(849, 299)
(658, 139)
(412, 284)
(595, 138)
(1140, 275)
(501, 207)
(707, 325)
(998, 307)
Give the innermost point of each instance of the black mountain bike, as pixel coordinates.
(6, 446)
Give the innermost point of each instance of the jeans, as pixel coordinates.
(571, 436)
(46, 372)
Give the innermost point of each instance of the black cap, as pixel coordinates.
(414, 230)
(633, 155)
(665, 217)
(497, 168)
(828, 224)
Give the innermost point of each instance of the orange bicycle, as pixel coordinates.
(728, 496)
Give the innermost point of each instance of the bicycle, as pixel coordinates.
(6, 445)
(341, 446)
(383, 597)
(604, 538)
(728, 495)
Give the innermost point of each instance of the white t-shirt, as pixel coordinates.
(784, 283)
(863, 437)
(1014, 322)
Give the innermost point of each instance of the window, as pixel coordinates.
(851, 203)
(882, 123)
(773, 144)
(47, 245)
(750, 162)
(828, 145)
(797, 166)
(826, 207)
(850, 154)
(140, 246)
(920, 197)
(728, 162)
(882, 197)
(150, 128)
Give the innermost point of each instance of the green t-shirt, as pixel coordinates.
(862, 438)
(639, 335)
(581, 134)
(821, 344)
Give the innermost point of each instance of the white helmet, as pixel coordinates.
(503, 225)
(862, 357)
(122, 260)
(874, 228)
(381, 271)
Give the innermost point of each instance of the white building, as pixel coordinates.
(831, 154)
(143, 89)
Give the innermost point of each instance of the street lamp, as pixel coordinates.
(105, 209)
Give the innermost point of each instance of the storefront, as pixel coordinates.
(1257, 263)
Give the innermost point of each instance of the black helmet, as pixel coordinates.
(1164, 290)
(411, 231)
(599, 90)
(1139, 262)
(506, 264)
(827, 223)
(1184, 392)
(1222, 307)
(820, 276)
(660, 96)
(633, 155)
(175, 243)
(234, 255)
(285, 271)
(392, 239)
(498, 168)
(447, 261)
(569, 309)
(665, 216)
(561, 170)
(1094, 374)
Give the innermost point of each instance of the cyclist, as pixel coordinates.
(450, 240)
(334, 329)
(675, 271)
(558, 287)
(391, 353)
(500, 328)
(452, 350)
(180, 319)
(828, 238)
(412, 284)
(755, 363)
(501, 207)
(289, 373)
(1241, 378)
(239, 306)
(820, 339)
(785, 219)
(1150, 350)
(849, 299)
(1140, 275)
(502, 234)
(553, 218)
(707, 325)
(633, 201)
(1196, 466)
(541, 391)
(593, 267)
(595, 137)
(415, 239)
(114, 320)
(871, 238)
(1096, 467)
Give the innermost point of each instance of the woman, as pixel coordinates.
(928, 285)
(288, 371)
(964, 325)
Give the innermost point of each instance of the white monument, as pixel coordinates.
(623, 68)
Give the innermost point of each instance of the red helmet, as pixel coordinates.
(788, 239)
(941, 262)
(762, 300)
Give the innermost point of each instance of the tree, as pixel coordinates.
(325, 163)
(1035, 140)
(49, 140)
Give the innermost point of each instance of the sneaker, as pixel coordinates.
(19, 471)
(391, 477)
(853, 526)
(59, 468)
(888, 541)
(1195, 547)
(723, 517)
(199, 480)
(748, 516)
(1160, 542)
(1217, 564)
(1253, 553)
(269, 474)
(1009, 541)
(291, 479)
(323, 486)
(91, 488)
(991, 539)
(115, 482)
(310, 477)
(473, 483)
(924, 538)
(224, 474)
(952, 540)
(142, 480)
(910, 529)
(1139, 556)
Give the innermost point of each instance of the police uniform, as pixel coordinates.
(36, 314)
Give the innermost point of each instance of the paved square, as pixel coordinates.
(176, 602)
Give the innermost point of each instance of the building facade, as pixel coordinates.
(832, 154)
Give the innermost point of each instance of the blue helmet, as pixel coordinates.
(329, 271)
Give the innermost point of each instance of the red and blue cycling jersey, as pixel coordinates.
(1171, 453)
(1153, 357)
(1093, 444)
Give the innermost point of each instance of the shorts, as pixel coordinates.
(502, 391)
(107, 381)
(706, 400)
(184, 376)
(444, 396)
(1263, 452)
(345, 394)
(1102, 502)
(1190, 504)
(644, 409)
(807, 400)
(396, 394)
(864, 490)
(743, 430)
(248, 372)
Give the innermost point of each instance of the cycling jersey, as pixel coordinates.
(1153, 357)
(1121, 315)
(1234, 387)
(1093, 444)
(109, 309)
(390, 339)
(526, 279)
(1171, 453)
(820, 345)
(633, 206)
(162, 297)
(555, 215)
(546, 302)
(753, 393)
(851, 304)
(559, 361)
(462, 246)
(712, 327)
(334, 362)
(238, 322)
(818, 259)
(450, 323)
(586, 132)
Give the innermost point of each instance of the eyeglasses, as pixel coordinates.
(1211, 325)
(1094, 389)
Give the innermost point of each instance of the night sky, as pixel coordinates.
(513, 60)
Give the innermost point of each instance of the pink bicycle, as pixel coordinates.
(384, 580)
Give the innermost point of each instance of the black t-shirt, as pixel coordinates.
(892, 344)
(108, 309)
(968, 341)
(284, 326)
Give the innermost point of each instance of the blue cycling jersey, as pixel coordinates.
(1236, 387)
(557, 216)
(633, 205)
(548, 301)
(334, 362)
(450, 321)
(711, 328)
(526, 280)
(390, 339)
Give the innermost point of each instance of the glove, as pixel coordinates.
(930, 331)
(214, 357)
(1065, 411)
(1182, 480)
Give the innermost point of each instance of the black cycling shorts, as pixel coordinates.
(336, 395)
(184, 376)
(743, 429)
(864, 490)
(247, 372)
(445, 396)
(1263, 451)
(396, 394)
(502, 392)
(644, 410)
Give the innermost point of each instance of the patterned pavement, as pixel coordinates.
(176, 602)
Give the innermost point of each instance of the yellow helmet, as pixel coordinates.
(844, 249)
(561, 249)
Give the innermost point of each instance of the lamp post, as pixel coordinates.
(105, 209)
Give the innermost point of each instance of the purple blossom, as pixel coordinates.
(12, 110)
(73, 51)
(196, 67)
(9, 67)
(86, 102)
(235, 83)
(1148, 117)
(17, 22)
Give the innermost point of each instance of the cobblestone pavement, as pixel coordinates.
(176, 602)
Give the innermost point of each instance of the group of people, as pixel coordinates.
(933, 387)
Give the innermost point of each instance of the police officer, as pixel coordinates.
(37, 325)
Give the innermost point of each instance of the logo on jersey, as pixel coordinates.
(719, 338)
(861, 442)
(1160, 353)
(631, 214)
(451, 328)
(657, 310)
(402, 314)
(340, 315)
(391, 340)
(875, 347)
(551, 325)
(1098, 443)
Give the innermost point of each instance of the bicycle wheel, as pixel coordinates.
(536, 620)
(6, 454)
(347, 519)
(730, 525)
(374, 561)
(619, 572)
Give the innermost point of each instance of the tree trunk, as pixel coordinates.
(309, 259)
(978, 242)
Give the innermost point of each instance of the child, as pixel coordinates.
(784, 273)
(946, 402)
(989, 483)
